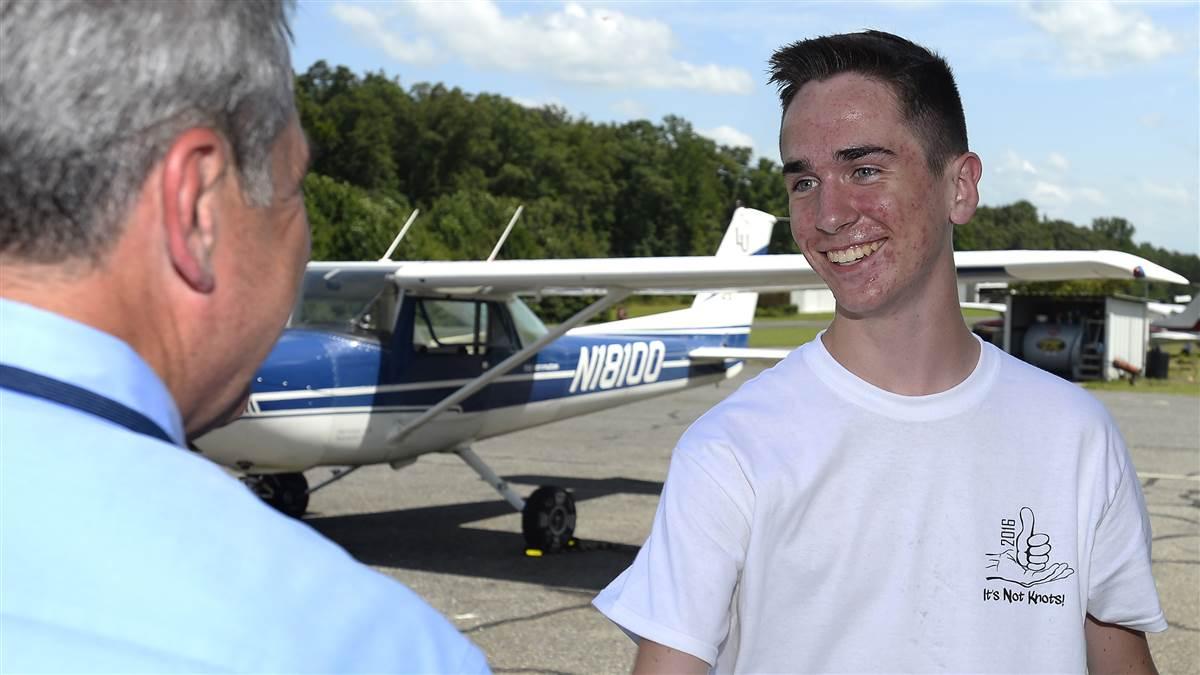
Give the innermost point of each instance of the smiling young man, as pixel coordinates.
(895, 496)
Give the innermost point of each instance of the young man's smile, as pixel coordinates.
(853, 254)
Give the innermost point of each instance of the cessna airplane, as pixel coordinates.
(386, 361)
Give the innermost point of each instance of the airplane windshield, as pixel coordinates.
(349, 302)
(529, 326)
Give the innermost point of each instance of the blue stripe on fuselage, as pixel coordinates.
(324, 363)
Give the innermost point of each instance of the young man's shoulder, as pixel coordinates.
(1022, 384)
(778, 397)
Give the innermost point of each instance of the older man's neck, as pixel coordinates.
(98, 296)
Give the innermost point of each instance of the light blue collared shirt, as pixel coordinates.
(122, 553)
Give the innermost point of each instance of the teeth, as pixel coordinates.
(853, 254)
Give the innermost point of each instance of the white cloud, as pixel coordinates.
(727, 135)
(588, 45)
(1049, 186)
(370, 25)
(1153, 120)
(1044, 191)
(537, 102)
(1098, 36)
(630, 108)
(1172, 193)
(1092, 195)
(1014, 163)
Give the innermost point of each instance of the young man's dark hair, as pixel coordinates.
(920, 79)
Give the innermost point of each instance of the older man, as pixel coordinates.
(152, 238)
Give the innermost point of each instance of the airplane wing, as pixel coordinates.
(760, 272)
(976, 266)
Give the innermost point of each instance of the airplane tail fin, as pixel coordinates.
(748, 234)
(1188, 319)
(711, 313)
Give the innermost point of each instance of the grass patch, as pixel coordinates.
(1183, 377)
(781, 336)
(1147, 386)
(974, 313)
(643, 305)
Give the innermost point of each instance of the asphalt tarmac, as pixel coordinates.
(439, 529)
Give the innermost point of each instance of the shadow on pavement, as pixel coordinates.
(436, 539)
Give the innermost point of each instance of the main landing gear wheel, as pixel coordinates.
(285, 492)
(548, 519)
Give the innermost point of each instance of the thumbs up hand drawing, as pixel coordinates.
(1027, 563)
(1033, 550)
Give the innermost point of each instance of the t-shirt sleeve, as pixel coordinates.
(1121, 589)
(679, 589)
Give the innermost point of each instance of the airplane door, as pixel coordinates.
(455, 340)
(500, 342)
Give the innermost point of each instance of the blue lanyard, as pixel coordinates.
(71, 396)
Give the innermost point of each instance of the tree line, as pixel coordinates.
(630, 189)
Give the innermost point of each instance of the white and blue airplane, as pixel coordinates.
(386, 361)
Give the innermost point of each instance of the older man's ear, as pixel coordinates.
(192, 172)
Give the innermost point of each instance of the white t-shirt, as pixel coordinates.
(812, 522)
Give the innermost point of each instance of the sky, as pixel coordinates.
(1085, 109)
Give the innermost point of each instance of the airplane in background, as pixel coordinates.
(1178, 326)
(386, 361)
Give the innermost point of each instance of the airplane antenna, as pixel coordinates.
(403, 231)
(513, 221)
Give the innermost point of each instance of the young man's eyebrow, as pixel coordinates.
(797, 166)
(844, 155)
(860, 151)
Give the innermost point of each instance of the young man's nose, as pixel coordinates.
(834, 210)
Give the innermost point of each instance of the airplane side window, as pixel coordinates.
(343, 302)
(422, 329)
(529, 326)
(445, 327)
(379, 316)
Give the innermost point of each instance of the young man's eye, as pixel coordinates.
(804, 185)
(866, 172)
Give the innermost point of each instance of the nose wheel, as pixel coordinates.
(548, 519)
(285, 492)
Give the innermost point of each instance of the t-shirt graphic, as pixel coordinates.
(1025, 561)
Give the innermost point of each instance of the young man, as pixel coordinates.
(152, 239)
(895, 496)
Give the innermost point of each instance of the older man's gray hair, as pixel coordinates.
(93, 92)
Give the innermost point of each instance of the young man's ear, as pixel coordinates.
(192, 169)
(966, 170)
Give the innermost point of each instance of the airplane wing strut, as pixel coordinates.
(613, 296)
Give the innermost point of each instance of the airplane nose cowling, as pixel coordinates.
(302, 360)
(284, 427)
